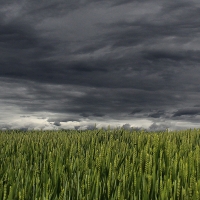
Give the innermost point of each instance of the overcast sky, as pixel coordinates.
(68, 64)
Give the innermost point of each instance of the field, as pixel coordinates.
(99, 164)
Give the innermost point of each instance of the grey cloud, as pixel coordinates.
(136, 110)
(17, 35)
(198, 105)
(57, 124)
(84, 115)
(90, 114)
(21, 47)
(83, 70)
(187, 111)
(50, 8)
(159, 127)
(157, 55)
(91, 127)
(20, 38)
(76, 127)
(126, 126)
(121, 2)
(98, 115)
(87, 67)
(175, 56)
(90, 48)
(129, 127)
(157, 114)
(5, 126)
(124, 66)
(92, 103)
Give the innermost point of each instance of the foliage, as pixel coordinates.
(99, 164)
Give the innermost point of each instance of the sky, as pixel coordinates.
(81, 64)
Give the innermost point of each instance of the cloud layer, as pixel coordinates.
(71, 64)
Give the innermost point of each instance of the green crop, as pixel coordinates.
(99, 164)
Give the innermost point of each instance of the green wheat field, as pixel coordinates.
(99, 165)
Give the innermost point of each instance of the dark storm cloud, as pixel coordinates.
(80, 72)
(173, 56)
(100, 59)
(121, 2)
(57, 124)
(158, 55)
(188, 111)
(16, 35)
(84, 102)
(157, 114)
(91, 114)
(136, 110)
(20, 47)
